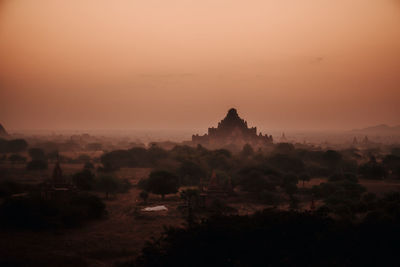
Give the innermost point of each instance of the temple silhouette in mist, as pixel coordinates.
(232, 130)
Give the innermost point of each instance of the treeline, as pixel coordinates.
(274, 178)
(13, 146)
(275, 238)
(191, 163)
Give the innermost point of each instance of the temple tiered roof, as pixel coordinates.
(232, 130)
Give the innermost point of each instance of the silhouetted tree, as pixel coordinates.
(16, 158)
(37, 154)
(53, 155)
(15, 146)
(84, 179)
(247, 151)
(83, 158)
(162, 183)
(88, 165)
(144, 195)
(107, 184)
(37, 165)
(304, 177)
(190, 173)
(372, 170)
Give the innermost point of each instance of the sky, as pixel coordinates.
(181, 64)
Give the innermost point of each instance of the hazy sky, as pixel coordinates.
(287, 64)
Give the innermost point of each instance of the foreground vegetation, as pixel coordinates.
(275, 238)
(311, 196)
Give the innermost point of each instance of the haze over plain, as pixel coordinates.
(181, 64)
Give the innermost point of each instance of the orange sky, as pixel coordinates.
(181, 64)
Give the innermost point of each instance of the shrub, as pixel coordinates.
(271, 198)
(144, 195)
(35, 213)
(162, 183)
(107, 184)
(36, 165)
(37, 154)
(84, 179)
(16, 158)
(9, 187)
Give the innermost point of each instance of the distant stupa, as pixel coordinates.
(232, 130)
(3, 131)
(283, 138)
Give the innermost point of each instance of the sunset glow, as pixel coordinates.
(182, 64)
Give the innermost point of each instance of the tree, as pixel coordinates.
(53, 155)
(107, 184)
(271, 198)
(287, 163)
(94, 146)
(162, 183)
(16, 145)
(304, 177)
(16, 158)
(290, 189)
(144, 195)
(290, 179)
(37, 154)
(372, 170)
(253, 181)
(188, 195)
(247, 151)
(37, 165)
(84, 179)
(284, 148)
(83, 158)
(89, 165)
(332, 159)
(191, 173)
(290, 184)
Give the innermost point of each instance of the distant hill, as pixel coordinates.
(3, 131)
(379, 129)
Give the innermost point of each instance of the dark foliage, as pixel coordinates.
(190, 173)
(13, 146)
(37, 154)
(33, 212)
(88, 165)
(37, 165)
(275, 239)
(287, 163)
(10, 187)
(162, 183)
(391, 163)
(257, 178)
(14, 158)
(109, 184)
(372, 170)
(84, 179)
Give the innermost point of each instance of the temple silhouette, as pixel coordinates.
(232, 130)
